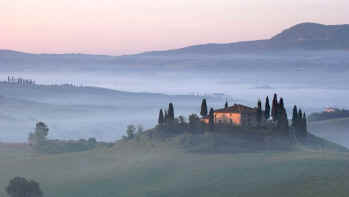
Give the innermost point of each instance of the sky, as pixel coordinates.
(118, 27)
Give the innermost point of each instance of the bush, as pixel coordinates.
(21, 187)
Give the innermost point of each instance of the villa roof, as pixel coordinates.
(237, 108)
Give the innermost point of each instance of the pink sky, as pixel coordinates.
(130, 26)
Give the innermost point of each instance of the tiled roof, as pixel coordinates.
(237, 108)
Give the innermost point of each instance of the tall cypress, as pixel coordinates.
(170, 111)
(305, 129)
(161, 117)
(166, 116)
(295, 117)
(267, 109)
(259, 112)
(203, 111)
(211, 119)
(226, 105)
(274, 107)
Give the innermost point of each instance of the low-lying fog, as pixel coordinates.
(312, 80)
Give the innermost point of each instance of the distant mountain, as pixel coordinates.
(304, 36)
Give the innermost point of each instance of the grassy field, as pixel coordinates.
(131, 169)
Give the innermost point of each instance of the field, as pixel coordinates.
(131, 169)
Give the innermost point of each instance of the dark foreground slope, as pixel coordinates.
(135, 168)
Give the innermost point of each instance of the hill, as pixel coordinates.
(160, 168)
(335, 130)
(304, 36)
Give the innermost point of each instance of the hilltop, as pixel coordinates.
(304, 36)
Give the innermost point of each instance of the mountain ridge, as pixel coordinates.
(303, 36)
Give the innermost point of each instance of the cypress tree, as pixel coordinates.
(211, 119)
(226, 105)
(166, 116)
(170, 111)
(274, 107)
(267, 109)
(203, 111)
(161, 117)
(304, 125)
(259, 112)
(300, 114)
(295, 117)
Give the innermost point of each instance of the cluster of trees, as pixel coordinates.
(166, 116)
(276, 112)
(132, 131)
(21, 187)
(20, 81)
(299, 122)
(39, 142)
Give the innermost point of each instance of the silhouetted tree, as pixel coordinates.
(161, 117)
(259, 112)
(211, 119)
(274, 108)
(21, 187)
(166, 116)
(267, 109)
(170, 112)
(203, 111)
(304, 125)
(282, 122)
(226, 105)
(295, 117)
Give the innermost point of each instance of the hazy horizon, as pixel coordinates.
(128, 27)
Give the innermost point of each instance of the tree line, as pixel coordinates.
(274, 113)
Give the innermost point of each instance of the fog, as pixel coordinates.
(311, 80)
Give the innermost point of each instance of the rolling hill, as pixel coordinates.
(163, 169)
(335, 130)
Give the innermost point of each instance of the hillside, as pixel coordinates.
(163, 169)
(304, 36)
(335, 130)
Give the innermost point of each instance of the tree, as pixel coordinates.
(211, 119)
(274, 107)
(194, 122)
(21, 187)
(161, 117)
(226, 105)
(295, 117)
(203, 111)
(39, 135)
(282, 122)
(131, 129)
(267, 109)
(170, 111)
(304, 125)
(259, 112)
(166, 116)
